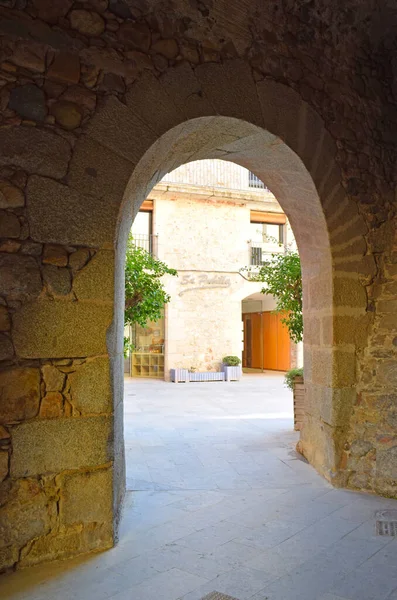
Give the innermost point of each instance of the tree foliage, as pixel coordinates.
(282, 277)
(145, 295)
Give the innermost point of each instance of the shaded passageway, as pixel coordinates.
(222, 502)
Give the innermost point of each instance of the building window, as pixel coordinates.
(254, 181)
(142, 232)
(271, 233)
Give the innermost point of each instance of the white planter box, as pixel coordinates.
(207, 376)
(232, 373)
(179, 375)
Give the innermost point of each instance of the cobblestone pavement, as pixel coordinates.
(219, 500)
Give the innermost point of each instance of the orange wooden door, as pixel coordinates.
(269, 341)
(276, 343)
(256, 337)
(283, 346)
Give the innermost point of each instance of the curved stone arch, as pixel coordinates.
(220, 111)
(212, 111)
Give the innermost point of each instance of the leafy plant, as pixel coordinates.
(145, 295)
(282, 277)
(290, 377)
(231, 361)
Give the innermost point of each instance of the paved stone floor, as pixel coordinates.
(220, 501)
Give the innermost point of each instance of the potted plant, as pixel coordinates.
(231, 367)
(295, 382)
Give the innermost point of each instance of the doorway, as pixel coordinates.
(267, 345)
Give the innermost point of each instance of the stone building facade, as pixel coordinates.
(201, 218)
(99, 100)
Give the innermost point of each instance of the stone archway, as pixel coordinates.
(83, 209)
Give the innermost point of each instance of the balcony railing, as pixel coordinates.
(147, 242)
(261, 252)
(218, 174)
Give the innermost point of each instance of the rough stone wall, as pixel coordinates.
(87, 88)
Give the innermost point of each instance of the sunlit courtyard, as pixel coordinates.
(218, 500)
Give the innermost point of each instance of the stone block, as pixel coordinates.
(28, 101)
(26, 514)
(29, 55)
(57, 279)
(386, 463)
(9, 225)
(3, 465)
(349, 292)
(120, 130)
(67, 114)
(54, 379)
(68, 542)
(86, 497)
(20, 394)
(135, 35)
(96, 280)
(20, 277)
(65, 68)
(35, 150)
(58, 214)
(51, 406)
(55, 255)
(61, 328)
(90, 387)
(55, 445)
(94, 169)
(149, 101)
(186, 92)
(5, 321)
(79, 258)
(6, 347)
(87, 22)
(10, 195)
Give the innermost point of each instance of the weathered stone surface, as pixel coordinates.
(20, 277)
(3, 464)
(54, 379)
(35, 150)
(65, 68)
(61, 328)
(67, 114)
(386, 463)
(71, 541)
(51, 405)
(120, 9)
(9, 225)
(113, 82)
(79, 258)
(168, 48)
(10, 246)
(77, 493)
(32, 248)
(81, 96)
(20, 394)
(29, 102)
(5, 321)
(61, 215)
(135, 35)
(96, 280)
(55, 445)
(52, 10)
(55, 255)
(26, 514)
(58, 280)
(87, 22)
(94, 169)
(10, 195)
(90, 387)
(6, 347)
(4, 434)
(29, 55)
